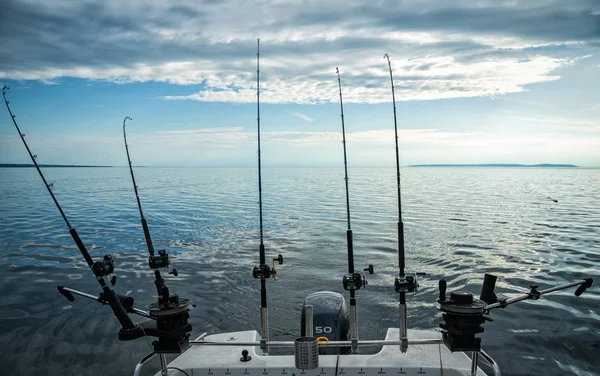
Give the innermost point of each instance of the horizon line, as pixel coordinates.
(429, 165)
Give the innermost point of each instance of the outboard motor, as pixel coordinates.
(330, 319)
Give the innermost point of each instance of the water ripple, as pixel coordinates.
(459, 224)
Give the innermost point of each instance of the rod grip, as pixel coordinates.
(350, 251)
(66, 294)
(401, 257)
(147, 236)
(115, 304)
(261, 254)
(126, 301)
(81, 247)
(584, 286)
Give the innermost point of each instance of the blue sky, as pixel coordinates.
(476, 82)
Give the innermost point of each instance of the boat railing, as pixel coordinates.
(434, 341)
(491, 362)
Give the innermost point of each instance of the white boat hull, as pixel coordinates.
(419, 360)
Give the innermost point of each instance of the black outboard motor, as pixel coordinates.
(330, 319)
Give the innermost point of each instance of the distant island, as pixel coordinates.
(42, 165)
(496, 165)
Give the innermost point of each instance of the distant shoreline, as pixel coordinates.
(8, 165)
(493, 165)
(542, 165)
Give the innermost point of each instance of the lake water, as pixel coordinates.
(460, 223)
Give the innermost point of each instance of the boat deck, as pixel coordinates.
(419, 360)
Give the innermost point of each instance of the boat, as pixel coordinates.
(328, 342)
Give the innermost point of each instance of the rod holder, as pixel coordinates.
(308, 321)
(307, 353)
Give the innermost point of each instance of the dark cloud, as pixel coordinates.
(557, 21)
(557, 24)
(34, 36)
(117, 40)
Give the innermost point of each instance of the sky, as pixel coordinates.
(477, 81)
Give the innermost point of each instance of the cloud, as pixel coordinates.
(439, 49)
(570, 125)
(302, 116)
(203, 131)
(594, 108)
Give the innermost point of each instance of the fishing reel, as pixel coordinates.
(263, 271)
(105, 268)
(407, 283)
(354, 281)
(161, 261)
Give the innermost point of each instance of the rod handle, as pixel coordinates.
(584, 286)
(126, 301)
(66, 294)
(148, 237)
(81, 246)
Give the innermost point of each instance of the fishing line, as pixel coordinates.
(263, 283)
(179, 369)
(260, 212)
(155, 262)
(353, 281)
(548, 343)
(401, 259)
(89, 344)
(137, 197)
(100, 269)
(263, 271)
(349, 231)
(33, 159)
(145, 336)
(402, 283)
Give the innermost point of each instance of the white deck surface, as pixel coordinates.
(419, 360)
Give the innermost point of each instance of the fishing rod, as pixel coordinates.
(352, 281)
(263, 271)
(401, 261)
(402, 283)
(154, 261)
(167, 322)
(100, 269)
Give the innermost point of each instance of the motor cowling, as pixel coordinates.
(330, 319)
